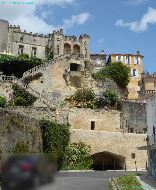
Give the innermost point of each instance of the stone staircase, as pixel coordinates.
(36, 70)
(42, 67)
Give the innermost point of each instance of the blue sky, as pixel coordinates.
(117, 26)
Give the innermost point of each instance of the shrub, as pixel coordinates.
(78, 157)
(3, 102)
(55, 138)
(119, 72)
(84, 97)
(129, 182)
(22, 97)
(17, 65)
(21, 147)
(111, 97)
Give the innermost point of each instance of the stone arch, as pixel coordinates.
(67, 48)
(76, 49)
(108, 161)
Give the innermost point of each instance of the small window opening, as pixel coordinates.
(74, 67)
(92, 125)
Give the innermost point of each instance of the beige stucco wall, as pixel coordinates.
(104, 120)
(115, 142)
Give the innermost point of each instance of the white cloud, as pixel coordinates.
(147, 19)
(136, 2)
(25, 15)
(76, 19)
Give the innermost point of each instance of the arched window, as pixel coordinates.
(67, 48)
(76, 49)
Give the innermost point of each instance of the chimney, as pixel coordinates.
(138, 52)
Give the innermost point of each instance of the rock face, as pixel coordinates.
(19, 129)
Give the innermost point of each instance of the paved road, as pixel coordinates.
(83, 181)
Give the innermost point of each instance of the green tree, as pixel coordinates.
(78, 157)
(3, 102)
(84, 97)
(55, 138)
(22, 97)
(111, 97)
(117, 71)
(120, 73)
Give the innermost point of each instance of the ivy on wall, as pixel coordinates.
(17, 65)
(22, 97)
(55, 137)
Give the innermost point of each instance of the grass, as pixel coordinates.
(129, 182)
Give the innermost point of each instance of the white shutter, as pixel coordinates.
(135, 60)
(137, 73)
(116, 58)
(131, 72)
(139, 61)
(126, 61)
(122, 59)
(130, 60)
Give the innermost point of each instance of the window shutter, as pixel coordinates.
(131, 72)
(137, 73)
(126, 61)
(139, 61)
(122, 59)
(130, 60)
(116, 58)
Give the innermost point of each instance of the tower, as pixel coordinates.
(4, 30)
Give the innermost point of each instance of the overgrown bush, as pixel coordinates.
(17, 65)
(55, 138)
(3, 102)
(22, 97)
(78, 157)
(84, 98)
(111, 97)
(117, 71)
(21, 147)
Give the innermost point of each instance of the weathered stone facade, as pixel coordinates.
(134, 117)
(18, 128)
(118, 144)
(15, 41)
(98, 120)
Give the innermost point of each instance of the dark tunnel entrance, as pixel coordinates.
(108, 161)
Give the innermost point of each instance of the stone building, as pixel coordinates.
(135, 62)
(151, 118)
(15, 41)
(147, 85)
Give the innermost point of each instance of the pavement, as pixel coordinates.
(93, 180)
(147, 182)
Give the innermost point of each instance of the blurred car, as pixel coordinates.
(27, 171)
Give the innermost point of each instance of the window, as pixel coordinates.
(34, 52)
(21, 39)
(131, 130)
(74, 67)
(133, 155)
(92, 125)
(134, 72)
(58, 50)
(86, 52)
(119, 58)
(20, 50)
(136, 60)
(128, 59)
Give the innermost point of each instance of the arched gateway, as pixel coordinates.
(108, 161)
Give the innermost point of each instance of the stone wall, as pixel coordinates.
(116, 143)
(18, 128)
(134, 116)
(104, 120)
